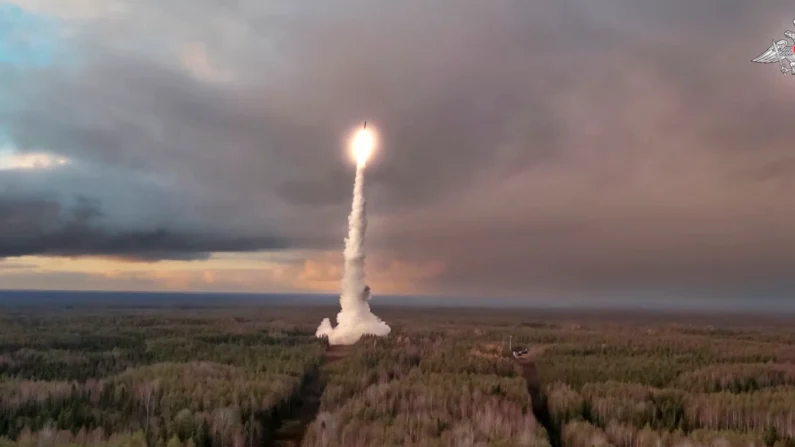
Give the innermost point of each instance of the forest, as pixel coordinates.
(257, 376)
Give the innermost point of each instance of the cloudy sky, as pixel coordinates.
(527, 148)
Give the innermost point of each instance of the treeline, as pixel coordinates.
(433, 409)
(658, 359)
(580, 433)
(603, 385)
(424, 390)
(217, 383)
(737, 378)
(211, 378)
(371, 361)
(97, 438)
(622, 395)
(207, 403)
(70, 365)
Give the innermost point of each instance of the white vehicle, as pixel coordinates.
(519, 352)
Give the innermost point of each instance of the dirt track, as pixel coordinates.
(292, 431)
(540, 410)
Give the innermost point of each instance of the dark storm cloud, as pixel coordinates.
(49, 228)
(528, 145)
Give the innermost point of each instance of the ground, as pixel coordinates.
(257, 376)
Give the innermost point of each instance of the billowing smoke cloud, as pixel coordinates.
(355, 318)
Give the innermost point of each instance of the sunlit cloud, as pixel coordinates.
(322, 272)
(10, 161)
(299, 271)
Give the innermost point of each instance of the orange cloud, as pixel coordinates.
(308, 271)
(324, 271)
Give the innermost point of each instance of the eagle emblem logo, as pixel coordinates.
(781, 52)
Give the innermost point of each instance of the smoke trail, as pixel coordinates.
(354, 318)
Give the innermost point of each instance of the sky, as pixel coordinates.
(544, 149)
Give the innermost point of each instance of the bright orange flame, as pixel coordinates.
(363, 144)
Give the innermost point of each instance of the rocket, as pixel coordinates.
(365, 125)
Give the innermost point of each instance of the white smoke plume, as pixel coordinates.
(355, 318)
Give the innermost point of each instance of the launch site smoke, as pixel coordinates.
(355, 318)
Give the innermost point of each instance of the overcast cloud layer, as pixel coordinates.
(525, 146)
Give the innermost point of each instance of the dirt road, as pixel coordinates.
(292, 430)
(540, 409)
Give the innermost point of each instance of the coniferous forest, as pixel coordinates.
(257, 376)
